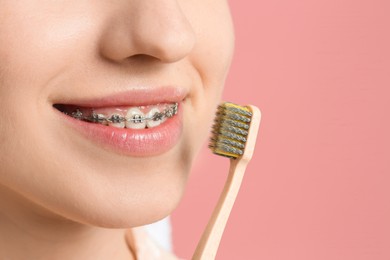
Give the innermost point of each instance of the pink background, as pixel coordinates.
(319, 186)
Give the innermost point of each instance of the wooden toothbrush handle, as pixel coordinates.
(209, 242)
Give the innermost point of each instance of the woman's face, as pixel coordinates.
(111, 57)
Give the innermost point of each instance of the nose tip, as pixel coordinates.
(160, 30)
(167, 42)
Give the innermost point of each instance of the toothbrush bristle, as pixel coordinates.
(230, 130)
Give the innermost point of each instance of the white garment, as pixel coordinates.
(142, 242)
(161, 232)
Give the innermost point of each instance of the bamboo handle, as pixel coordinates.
(209, 243)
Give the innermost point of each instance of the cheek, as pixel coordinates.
(211, 58)
(212, 55)
(34, 50)
(33, 53)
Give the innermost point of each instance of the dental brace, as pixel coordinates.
(115, 118)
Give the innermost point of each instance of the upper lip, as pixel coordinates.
(134, 97)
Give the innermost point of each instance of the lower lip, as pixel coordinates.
(132, 142)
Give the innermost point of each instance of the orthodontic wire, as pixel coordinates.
(115, 118)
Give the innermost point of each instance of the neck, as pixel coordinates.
(28, 231)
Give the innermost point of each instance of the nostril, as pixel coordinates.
(143, 58)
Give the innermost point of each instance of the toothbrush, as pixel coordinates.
(234, 136)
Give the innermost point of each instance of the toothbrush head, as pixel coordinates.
(234, 128)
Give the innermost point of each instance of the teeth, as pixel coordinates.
(163, 120)
(153, 123)
(117, 124)
(135, 119)
(102, 116)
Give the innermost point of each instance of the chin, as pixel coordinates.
(133, 202)
(123, 218)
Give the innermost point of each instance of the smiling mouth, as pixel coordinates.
(139, 122)
(139, 117)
